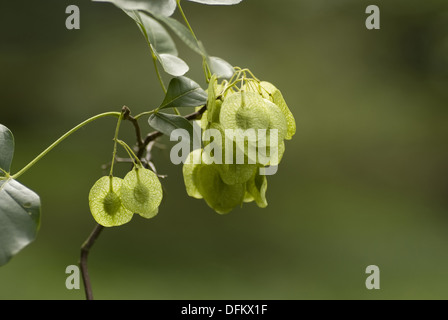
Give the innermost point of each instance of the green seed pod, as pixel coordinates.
(213, 115)
(220, 196)
(248, 197)
(256, 188)
(269, 91)
(236, 173)
(271, 155)
(244, 111)
(141, 192)
(250, 111)
(190, 170)
(105, 203)
(204, 181)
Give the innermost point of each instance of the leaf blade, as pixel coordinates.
(182, 32)
(183, 92)
(158, 36)
(6, 149)
(173, 65)
(221, 68)
(167, 123)
(162, 7)
(19, 218)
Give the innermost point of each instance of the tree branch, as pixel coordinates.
(156, 134)
(85, 249)
(143, 145)
(138, 133)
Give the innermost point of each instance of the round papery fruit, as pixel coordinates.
(105, 203)
(213, 139)
(189, 170)
(245, 111)
(236, 173)
(277, 121)
(141, 192)
(267, 155)
(248, 197)
(256, 189)
(269, 91)
(220, 196)
(213, 115)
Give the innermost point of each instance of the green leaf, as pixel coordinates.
(161, 43)
(19, 218)
(166, 123)
(6, 149)
(105, 203)
(189, 170)
(221, 68)
(141, 192)
(217, 2)
(162, 7)
(158, 36)
(184, 92)
(182, 32)
(173, 65)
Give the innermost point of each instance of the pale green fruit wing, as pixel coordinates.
(219, 196)
(277, 121)
(244, 110)
(236, 173)
(189, 170)
(266, 155)
(211, 141)
(270, 91)
(248, 197)
(211, 99)
(106, 205)
(141, 192)
(257, 187)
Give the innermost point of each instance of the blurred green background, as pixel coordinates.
(363, 182)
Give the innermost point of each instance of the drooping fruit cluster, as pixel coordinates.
(244, 128)
(113, 201)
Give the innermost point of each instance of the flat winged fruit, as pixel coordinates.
(105, 203)
(141, 192)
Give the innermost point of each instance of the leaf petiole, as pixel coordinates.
(146, 113)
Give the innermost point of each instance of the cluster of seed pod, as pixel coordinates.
(244, 128)
(113, 201)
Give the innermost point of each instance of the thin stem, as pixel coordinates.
(153, 54)
(138, 133)
(130, 152)
(154, 59)
(144, 114)
(205, 65)
(186, 20)
(117, 130)
(79, 126)
(176, 111)
(6, 177)
(85, 249)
